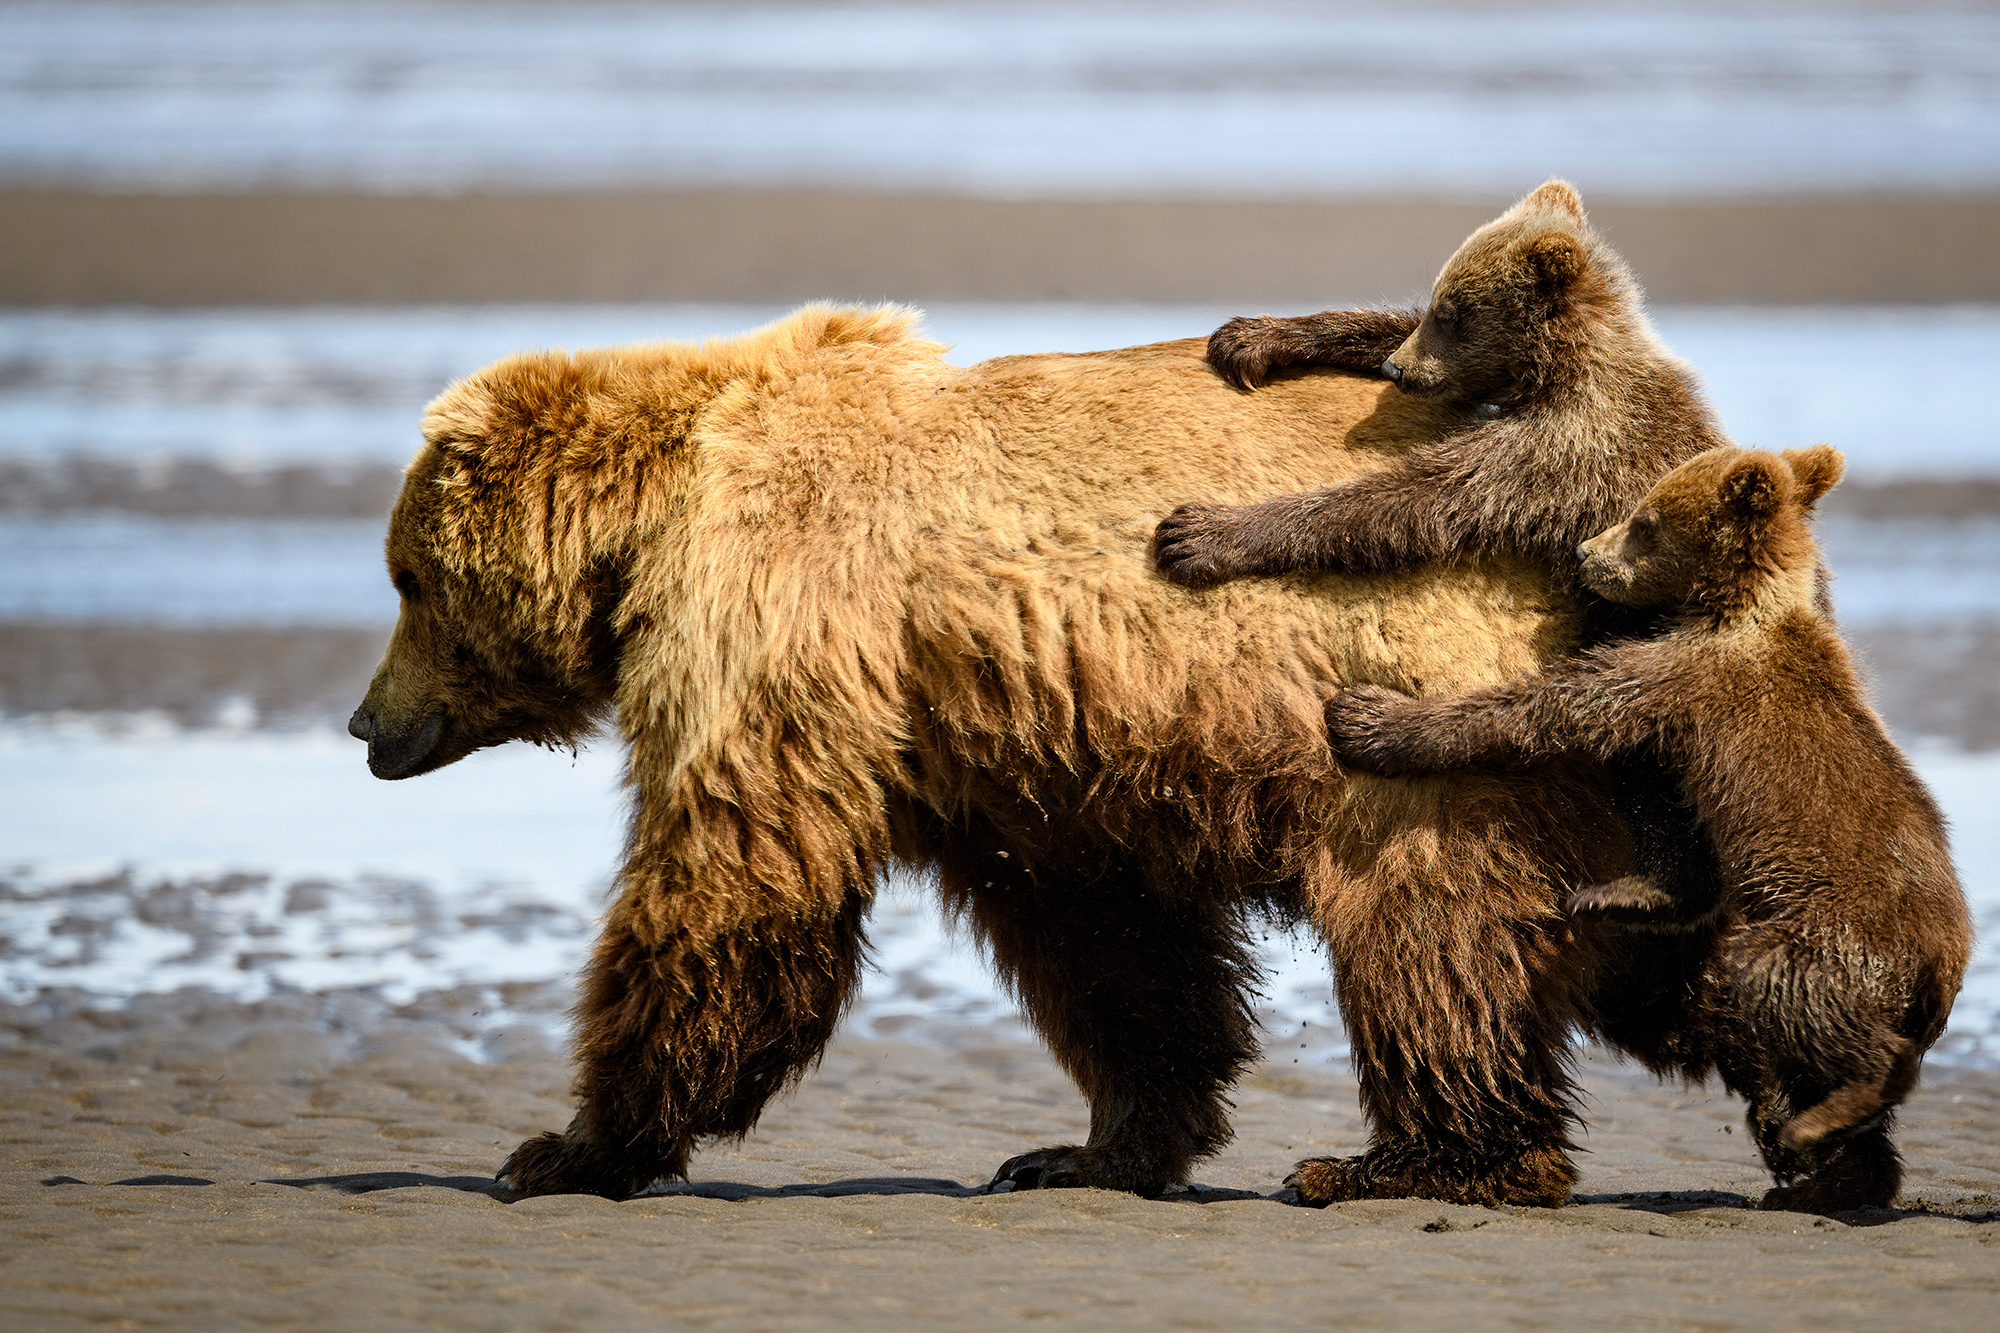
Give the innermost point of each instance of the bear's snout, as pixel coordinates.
(400, 751)
(1392, 372)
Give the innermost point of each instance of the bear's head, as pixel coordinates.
(521, 543)
(1532, 300)
(1722, 534)
(505, 631)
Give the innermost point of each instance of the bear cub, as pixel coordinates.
(1568, 405)
(1568, 408)
(1845, 934)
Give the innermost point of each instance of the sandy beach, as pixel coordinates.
(198, 1163)
(72, 247)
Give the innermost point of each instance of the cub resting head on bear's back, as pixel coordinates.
(853, 606)
(1845, 934)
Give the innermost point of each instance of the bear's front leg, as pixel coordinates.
(685, 1034)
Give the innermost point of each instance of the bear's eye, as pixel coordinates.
(406, 584)
(1444, 312)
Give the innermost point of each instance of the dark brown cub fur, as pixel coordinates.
(1570, 408)
(1845, 935)
(1248, 349)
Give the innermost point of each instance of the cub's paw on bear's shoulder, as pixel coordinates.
(1200, 545)
(1074, 1167)
(1243, 349)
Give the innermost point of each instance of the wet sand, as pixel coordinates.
(73, 247)
(203, 1163)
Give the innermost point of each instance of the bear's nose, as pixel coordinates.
(1392, 372)
(1583, 552)
(362, 725)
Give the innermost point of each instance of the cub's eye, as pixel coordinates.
(406, 584)
(1444, 312)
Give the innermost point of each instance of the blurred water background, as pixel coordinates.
(192, 492)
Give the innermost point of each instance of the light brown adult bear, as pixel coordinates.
(1845, 933)
(852, 605)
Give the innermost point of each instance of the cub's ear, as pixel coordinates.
(1556, 259)
(1750, 489)
(1556, 196)
(1816, 470)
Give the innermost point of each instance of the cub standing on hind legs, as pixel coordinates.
(1845, 933)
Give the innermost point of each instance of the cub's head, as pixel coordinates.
(1519, 308)
(505, 627)
(1721, 533)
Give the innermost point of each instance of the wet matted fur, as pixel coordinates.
(852, 605)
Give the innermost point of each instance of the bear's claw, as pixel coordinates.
(1047, 1169)
(1073, 1167)
(568, 1164)
(1538, 1177)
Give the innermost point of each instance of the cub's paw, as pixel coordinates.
(1200, 545)
(1073, 1167)
(568, 1164)
(1360, 721)
(1631, 899)
(1243, 349)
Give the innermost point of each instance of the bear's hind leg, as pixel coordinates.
(1458, 984)
(1142, 997)
(683, 1036)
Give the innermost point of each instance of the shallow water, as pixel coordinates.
(1118, 98)
(1903, 392)
(254, 863)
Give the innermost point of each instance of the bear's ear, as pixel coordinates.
(1816, 470)
(1556, 196)
(1750, 489)
(1556, 259)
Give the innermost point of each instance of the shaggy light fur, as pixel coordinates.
(851, 605)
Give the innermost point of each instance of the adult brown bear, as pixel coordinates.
(851, 605)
